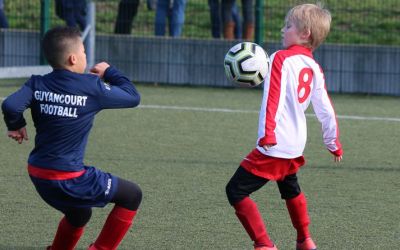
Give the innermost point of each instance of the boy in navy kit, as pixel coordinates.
(295, 79)
(63, 105)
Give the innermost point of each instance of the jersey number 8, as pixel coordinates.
(304, 88)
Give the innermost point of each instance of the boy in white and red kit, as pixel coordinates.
(295, 79)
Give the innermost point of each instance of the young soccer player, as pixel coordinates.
(295, 79)
(63, 105)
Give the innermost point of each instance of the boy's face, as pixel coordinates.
(290, 35)
(81, 58)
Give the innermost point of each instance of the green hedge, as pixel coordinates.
(354, 21)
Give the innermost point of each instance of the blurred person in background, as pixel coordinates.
(151, 4)
(73, 12)
(127, 10)
(3, 19)
(216, 20)
(174, 11)
(248, 19)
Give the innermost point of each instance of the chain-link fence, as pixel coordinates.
(354, 21)
(362, 52)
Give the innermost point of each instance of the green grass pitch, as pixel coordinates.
(182, 158)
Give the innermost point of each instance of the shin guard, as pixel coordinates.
(247, 212)
(297, 208)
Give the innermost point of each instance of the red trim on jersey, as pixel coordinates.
(51, 174)
(298, 49)
(275, 90)
(338, 152)
(271, 168)
(273, 100)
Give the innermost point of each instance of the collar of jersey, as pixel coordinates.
(301, 49)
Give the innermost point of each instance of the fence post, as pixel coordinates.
(44, 24)
(259, 29)
(89, 35)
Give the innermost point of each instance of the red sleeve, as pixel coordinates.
(274, 93)
(338, 152)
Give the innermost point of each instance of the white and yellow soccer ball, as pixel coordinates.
(246, 64)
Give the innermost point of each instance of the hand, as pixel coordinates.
(18, 135)
(268, 146)
(338, 158)
(99, 69)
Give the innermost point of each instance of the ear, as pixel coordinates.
(305, 35)
(72, 59)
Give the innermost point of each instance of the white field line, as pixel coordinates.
(344, 117)
(221, 110)
(197, 109)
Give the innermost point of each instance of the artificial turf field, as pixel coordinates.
(183, 144)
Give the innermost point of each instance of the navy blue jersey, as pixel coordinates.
(63, 106)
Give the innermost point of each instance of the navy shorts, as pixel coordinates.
(94, 188)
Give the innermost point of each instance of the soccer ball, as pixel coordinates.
(246, 64)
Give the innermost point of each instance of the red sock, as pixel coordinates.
(247, 212)
(297, 208)
(117, 224)
(67, 236)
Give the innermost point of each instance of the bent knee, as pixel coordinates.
(290, 194)
(136, 195)
(78, 217)
(233, 194)
(129, 195)
(289, 187)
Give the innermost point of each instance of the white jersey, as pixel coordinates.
(294, 80)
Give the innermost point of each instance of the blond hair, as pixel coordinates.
(312, 17)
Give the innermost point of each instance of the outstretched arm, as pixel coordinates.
(13, 108)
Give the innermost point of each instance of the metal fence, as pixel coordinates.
(362, 52)
(354, 21)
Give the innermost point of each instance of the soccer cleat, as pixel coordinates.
(307, 244)
(266, 248)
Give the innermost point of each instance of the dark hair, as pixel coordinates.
(58, 41)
